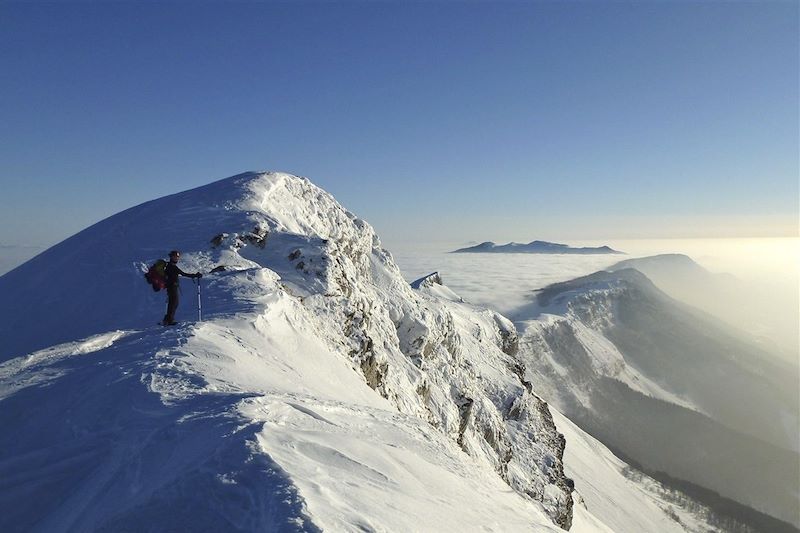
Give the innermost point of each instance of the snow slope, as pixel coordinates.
(322, 392)
(668, 386)
(215, 425)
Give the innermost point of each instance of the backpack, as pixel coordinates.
(156, 276)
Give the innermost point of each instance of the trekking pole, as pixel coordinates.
(199, 303)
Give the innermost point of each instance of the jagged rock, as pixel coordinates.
(508, 334)
(257, 237)
(217, 240)
(427, 281)
(425, 351)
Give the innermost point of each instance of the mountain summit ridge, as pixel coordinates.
(321, 392)
(311, 333)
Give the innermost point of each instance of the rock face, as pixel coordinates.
(446, 362)
(292, 254)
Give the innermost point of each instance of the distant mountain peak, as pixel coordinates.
(602, 281)
(671, 261)
(535, 247)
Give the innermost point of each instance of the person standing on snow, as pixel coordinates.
(172, 272)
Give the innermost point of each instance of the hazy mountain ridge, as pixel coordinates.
(534, 247)
(705, 379)
(741, 305)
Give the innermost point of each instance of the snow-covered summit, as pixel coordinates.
(97, 272)
(320, 385)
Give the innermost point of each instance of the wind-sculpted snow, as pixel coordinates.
(127, 437)
(321, 392)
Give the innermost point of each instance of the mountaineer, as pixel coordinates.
(172, 273)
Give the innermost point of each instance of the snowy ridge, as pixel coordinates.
(322, 392)
(610, 349)
(425, 365)
(269, 406)
(578, 312)
(601, 355)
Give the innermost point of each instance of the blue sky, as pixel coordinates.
(452, 120)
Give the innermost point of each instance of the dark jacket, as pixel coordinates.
(172, 271)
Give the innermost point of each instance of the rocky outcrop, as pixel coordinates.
(427, 281)
(447, 362)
